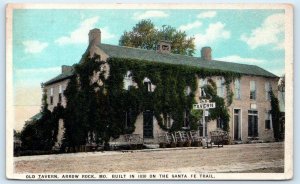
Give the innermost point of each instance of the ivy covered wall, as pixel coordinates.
(97, 108)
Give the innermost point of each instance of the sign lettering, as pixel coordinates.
(210, 105)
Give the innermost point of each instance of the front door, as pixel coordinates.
(252, 123)
(237, 124)
(148, 124)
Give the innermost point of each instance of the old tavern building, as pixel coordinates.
(249, 111)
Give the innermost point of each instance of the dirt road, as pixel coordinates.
(264, 157)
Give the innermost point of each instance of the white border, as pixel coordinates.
(288, 160)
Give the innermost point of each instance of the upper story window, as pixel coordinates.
(51, 96)
(268, 88)
(237, 89)
(252, 90)
(202, 83)
(60, 88)
(51, 91)
(128, 80)
(60, 93)
(187, 91)
(220, 87)
(148, 85)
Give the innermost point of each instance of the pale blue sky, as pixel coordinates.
(43, 40)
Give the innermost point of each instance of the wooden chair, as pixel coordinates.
(195, 138)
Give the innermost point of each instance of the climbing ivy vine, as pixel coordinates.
(275, 113)
(99, 107)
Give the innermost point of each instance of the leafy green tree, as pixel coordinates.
(275, 113)
(38, 134)
(146, 36)
(17, 134)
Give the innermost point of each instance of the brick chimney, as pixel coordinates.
(95, 36)
(206, 53)
(65, 68)
(164, 47)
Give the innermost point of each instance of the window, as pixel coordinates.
(187, 91)
(51, 100)
(51, 96)
(219, 123)
(268, 88)
(220, 87)
(167, 121)
(202, 83)
(268, 120)
(59, 98)
(252, 90)
(60, 94)
(51, 92)
(252, 123)
(60, 88)
(148, 85)
(237, 89)
(186, 122)
(128, 80)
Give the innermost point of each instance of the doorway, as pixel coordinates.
(237, 125)
(148, 124)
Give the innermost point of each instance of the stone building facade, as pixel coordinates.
(249, 111)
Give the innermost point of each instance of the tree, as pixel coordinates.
(17, 134)
(144, 35)
(37, 134)
(275, 112)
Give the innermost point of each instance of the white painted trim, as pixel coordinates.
(241, 123)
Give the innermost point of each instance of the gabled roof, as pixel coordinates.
(36, 116)
(60, 77)
(154, 56)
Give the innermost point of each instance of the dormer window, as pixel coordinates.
(164, 47)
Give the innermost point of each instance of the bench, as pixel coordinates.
(182, 139)
(135, 141)
(166, 140)
(195, 138)
(217, 137)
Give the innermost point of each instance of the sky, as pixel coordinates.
(43, 40)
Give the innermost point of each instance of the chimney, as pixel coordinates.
(65, 68)
(206, 53)
(95, 36)
(164, 47)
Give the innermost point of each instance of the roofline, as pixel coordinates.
(99, 45)
(58, 80)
